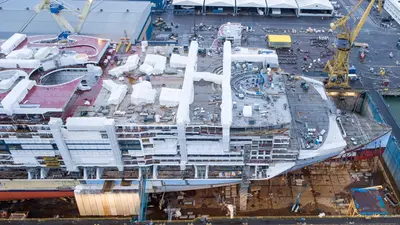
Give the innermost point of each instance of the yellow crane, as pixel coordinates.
(338, 67)
(56, 7)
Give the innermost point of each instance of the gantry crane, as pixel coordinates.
(57, 6)
(338, 67)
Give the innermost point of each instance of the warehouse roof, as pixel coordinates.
(115, 17)
(220, 3)
(279, 38)
(251, 3)
(188, 2)
(315, 4)
(282, 4)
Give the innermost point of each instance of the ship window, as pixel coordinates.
(14, 147)
(129, 145)
(55, 147)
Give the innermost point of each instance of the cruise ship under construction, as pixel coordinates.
(79, 115)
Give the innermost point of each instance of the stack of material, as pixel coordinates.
(118, 92)
(143, 92)
(177, 61)
(24, 53)
(45, 52)
(91, 201)
(11, 43)
(170, 97)
(130, 65)
(157, 62)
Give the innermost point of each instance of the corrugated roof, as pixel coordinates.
(251, 3)
(220, 3)
(188, 2)
(282, 4)
(315, 4)
(115, 17)
(279, 38)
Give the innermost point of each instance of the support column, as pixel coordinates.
(206, 175)
(55, 127)
(85, 173)
(182, 144)
(112, 137)
(99, 173)
(43, 173)
(30, 175)
(196, 172)
(140, 172)
(155, 172)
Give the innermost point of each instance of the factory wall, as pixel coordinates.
(147, 30)
(391, 154)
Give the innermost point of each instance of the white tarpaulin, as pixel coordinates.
(20, 63)
(117, 92)
(315, 4)
(282, 4)
(251, 3)
(170, 97)
(143, 92)
(188, 2)
(157, 62)
(5, 84)
(16, 95)
(45, 52)
(130, 65)
(220, 3)
(24, 53)
(177, 61)
(12, 43)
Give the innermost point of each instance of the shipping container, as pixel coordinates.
(279, 41)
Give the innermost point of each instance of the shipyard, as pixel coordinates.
(199, 112)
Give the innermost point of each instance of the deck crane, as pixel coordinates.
(57, 6)
(338, 67)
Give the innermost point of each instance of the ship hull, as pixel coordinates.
(30, 194)
(375, 148)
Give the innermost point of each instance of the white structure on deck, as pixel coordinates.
(220, 6)
(314, 8)
(251, 7)
(282, 7)
(393, 8)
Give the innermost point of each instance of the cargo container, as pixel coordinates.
(279, 41)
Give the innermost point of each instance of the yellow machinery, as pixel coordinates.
(124, 44)
(57, 6)
(338, 67)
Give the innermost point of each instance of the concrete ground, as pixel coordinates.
(381, 41)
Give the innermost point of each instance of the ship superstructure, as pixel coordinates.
(78, 113)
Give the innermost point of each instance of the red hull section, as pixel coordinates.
(362, 154)
(21, 194)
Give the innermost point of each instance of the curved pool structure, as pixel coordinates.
(62, 76)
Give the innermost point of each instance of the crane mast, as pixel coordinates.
(338, 67)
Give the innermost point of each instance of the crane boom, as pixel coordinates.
(338, 67)
(57, 6)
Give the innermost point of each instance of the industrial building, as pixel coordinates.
(220, 6)
(393, 8)
(251, 7)
(184, 5)
(282, 7)
(258, 7)
(114, 18)
(314, 8)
